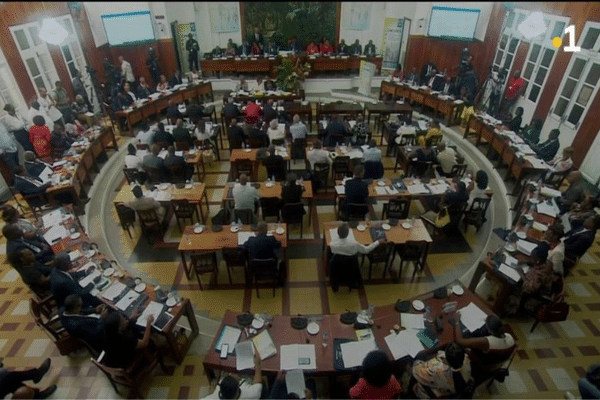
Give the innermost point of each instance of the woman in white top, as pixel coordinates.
(480, 186)
(563, 163)
(131, 159)
(201, 132)
(494, 347)
(276, 132)
(47, 105)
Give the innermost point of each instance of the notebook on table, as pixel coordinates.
(378, 233)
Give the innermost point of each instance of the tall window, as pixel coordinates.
(9, 91)
(71, 48)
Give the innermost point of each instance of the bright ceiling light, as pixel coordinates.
(533, 25)
(52, 32)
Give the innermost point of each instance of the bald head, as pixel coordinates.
(243, 179)
(574, 176)
(441, 146)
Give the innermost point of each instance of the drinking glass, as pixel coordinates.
(325, 338)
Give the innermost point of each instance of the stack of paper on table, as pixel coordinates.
(364, 334)
(565, 221)
(244, 236)
(525, 246)
(230, 336)
(244, 355)
(89, 278)
(179, 153)
(353, 353)
(380, 190)
(52, 218)
(438, 189)
(340, 189)
(510, 272)
(163, 196)
(57, 232)
(547, 191)
(422, 125)
(59, 163)
(163, 154)
(334, 234)
(154, 309)
(472, 317)
(391, 190)
(265, 346)
(412, 321)
(458, 102)
(510, 260)
(545, 208)
(294, 382)
(113, 290)
(417, 189)
(126, 301)
(405, 343)
(538, 226)
(298, 356)
(355, 154)
(46, 174)
(74, 255)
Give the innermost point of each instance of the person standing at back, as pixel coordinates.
(61, 98)
(127, 72)
(192, 47)
(356, 189)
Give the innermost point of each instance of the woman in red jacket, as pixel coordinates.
(40, 136)
(326, 47)
(312, 49)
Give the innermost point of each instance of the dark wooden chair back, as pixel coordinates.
(126, 216)
(458, 171)
(270, 207)
(264, 270)
(321, 173)
(396, 208)
(131, 174)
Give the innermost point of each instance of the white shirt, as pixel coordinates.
(372, 154)
(202, 136)
(447, 159)
(497, 343)
(45, 104)
(276, 134)
(247, 391)
(557, 256)
(14, 123)
(245, 197)
(127, 71)
(350, 247)
(298, 131)
(318, 156)
(146, 137)
(477, 193)
(130, 93)
(132, 161)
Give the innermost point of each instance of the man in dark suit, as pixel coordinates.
(335, 131)
(34, 274)
(447, 87)
(161, 135)
(547, 150)
(176, 79)
(245, 49)
(237, 138)
(64, 283)
(182, 134)
(259, 135)
(275, 165)
(15, 242)
(356, 189)
(261, 247)
(294, 46)
(79, 323)
(426, 72)
(343, 48)
(272, 49)
(370, 49)
(269, 112)
(152, 160)
(257, 38)
(173, 111)
(185, 170)
(575, 193)
(230, 110)
(577, 241)
(28, 185)
(60, 141)
(356, 48)
(34, 167)
(436, 82)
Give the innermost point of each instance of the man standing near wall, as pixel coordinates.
(127, 72)
(192, 48)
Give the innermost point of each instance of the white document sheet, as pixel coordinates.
(163, 195)
(355, 154)
(404, 343)
(45, 174)
(294, 381)
(59, 163)
(412, 321)
(244, 236)
(244, 355)
(52, 218)
(163, 154)
(154, 309)
(538, 226)
(298, 356)
(510, 260)
(340, 189)
(353, 353)
(391, 190)
(334, 234)
(113, 290)
(422, 125)
(547, 191)
(510, 272)
(545, 208)
(230, 336)
(417, 189)
(89, 278)
(127, 300)
(74, 255)
(525, 247)
(380, 190)
(264, 345)
(565, 221)
(438, 189)
(56, 232)
(472, 317)
(179, 153)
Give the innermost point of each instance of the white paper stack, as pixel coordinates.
(340, 189)
(59, 163)
(439, 188)
(565, 222)
(545, 208)
(422, 125)
(412, 321)
(89, 278)
(46, 174)
(230, 336)
(405, 343)
(458, 102)
(353, 353)
(153, 309)
(163, 154)
(74, 255)
(547, 191)
(163, 195)
(244, 236)
(244, 355)
(417, 189)
(538, 226)
(126, 301)
(355, 154)
(510, 272)
(179, 153)
(298, 356)
(57, 232)
(113, 290)
(472, 317)
(52, 218)
(391, 190)
(380, 190)
(294, 382)
(510, 260)
(525, 247)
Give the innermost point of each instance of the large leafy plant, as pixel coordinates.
(291, 72)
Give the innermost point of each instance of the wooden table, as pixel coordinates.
(345, 109)
(153, 107)
(263, 96)
(384, 318)
(178, 341)
(449, 108)
(209, 240)
(383, 109)
(273, 191)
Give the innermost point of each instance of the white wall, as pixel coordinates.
(423, 11)
(206, 38)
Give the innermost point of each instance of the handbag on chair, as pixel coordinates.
(554, 312)
(442, 218)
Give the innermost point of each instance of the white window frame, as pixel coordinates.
(512, 33)
(72, 41)
(12, 94)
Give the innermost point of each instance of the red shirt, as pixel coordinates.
(312, 49)
(398, 74)
(514, 87)
(253, 113)
(363, 390)
(40, 137)
(326, 48)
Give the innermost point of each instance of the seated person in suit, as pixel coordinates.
(60, 141)
(123, 101)
(28, 185)
(141, 202)
(335, 132)
(276, 132)
(272, 49)
(326, 48)
(547, 150)
(185, 170)
(356, 189)
(242, 84)
(85, 324)
(447, 87)
(15, 242)
(262, 246)
(258, 138)
(64, 283)
(173, 111)
(291, 192)
(245, 50)
(578, 240)
(33, 165)
(143, 90)
(34, 274)
(269, 112)
(152, 160)
(372, 153)
(11, 215)
(377, 380)
(40, 137)
(445, 374)
(370, 49)
(237, 137)
(490, 349)
(318, 155)
(217, 52)
(163, 85)
(343, 48)
(123, 341)
(162, 136)
(564, 162)
(253, 113)
(146, 134)
(515, 123)
(575, 193)
(197, 111)
(531, 133)
(127, 90)
(356, 48)
(230, 51)
(176, 79)
(446, 157)
(275, 162)
(230, 110)
(182, 134)
(245, 196)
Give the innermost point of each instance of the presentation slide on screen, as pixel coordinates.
(453, 22)
(128, 28)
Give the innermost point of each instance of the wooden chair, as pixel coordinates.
(205, 263)
(176, 173)
(244, 167)
(407, 139)
(182, 146)
(276, 169)
(381, 254)
(299, 149)
(373, 170)
(236, 258)
(270, 207)
(396, 208)
(126, 217)
(255, 142)
(496, 371)
(555, 179)
(340, 168)
(264, 271)
(420, 169)
(155, 175)
(163, 145)
(475, 215)
(412, 251)
(435, 139)
(246, 216)
(549, 312)
(131, 174)
(321, 173)
(293, 213)
(234, 142)
(458, 171)
(142, 146)
(47, 318)
(184, 210)
(36, 202)
(150, 222)
(131, 377)
(357, 211)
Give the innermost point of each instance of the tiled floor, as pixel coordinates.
(548, 363)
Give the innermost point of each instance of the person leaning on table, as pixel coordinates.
(230, 387)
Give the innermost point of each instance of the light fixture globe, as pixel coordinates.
(52, 32)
